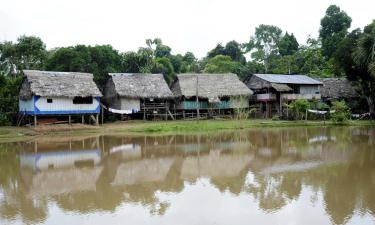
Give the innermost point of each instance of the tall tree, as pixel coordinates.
(356, 56)
(333, 28)
(31, 52)
(98, 60)
(364, 59)
(263, 44)
(288, 45)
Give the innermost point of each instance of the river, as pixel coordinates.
(259, 176)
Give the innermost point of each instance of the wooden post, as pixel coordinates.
(166, 111)
(144, 110)
(102, 115)
(83, 119)
(183, 114)
(197, 99)
(70, 120)
(35, 120)
(97, 120)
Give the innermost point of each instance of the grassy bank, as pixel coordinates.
(157, 128)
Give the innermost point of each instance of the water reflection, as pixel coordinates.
(277, 173)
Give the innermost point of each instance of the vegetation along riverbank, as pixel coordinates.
(8, 134)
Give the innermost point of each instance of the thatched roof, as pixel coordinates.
(336, 88)
(58, 84)
(210, 86)
(135, 85)
(281, 87)
(287, 79)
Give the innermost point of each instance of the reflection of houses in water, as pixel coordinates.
(56, 172)
(126, 151)
(60, 159)
(142, 171)
(214, 164)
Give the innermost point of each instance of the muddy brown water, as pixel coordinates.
(261, 176)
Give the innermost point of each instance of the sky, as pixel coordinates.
(184, 25)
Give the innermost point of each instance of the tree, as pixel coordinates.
(311, 61)
(364, 61)
(218, 50)
(99, 60)
(364, 54)
(333, 28)
(288, 45)
(221, 64)
(232, 49)
(163, 65)
(264, 44)
(31, 52)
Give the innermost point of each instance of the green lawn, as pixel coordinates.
(159, 127)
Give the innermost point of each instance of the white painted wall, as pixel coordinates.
(309, 89)
(27, 105)
(63, 104)
(59, 159)
(130, 104)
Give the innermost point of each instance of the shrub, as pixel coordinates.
(299, 107)
(342, 112)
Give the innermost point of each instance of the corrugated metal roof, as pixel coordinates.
(288, 79)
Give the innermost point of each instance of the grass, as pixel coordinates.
(9, 134)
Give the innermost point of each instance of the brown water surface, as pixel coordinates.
(262, 176)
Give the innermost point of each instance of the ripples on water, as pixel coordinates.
(263, 176)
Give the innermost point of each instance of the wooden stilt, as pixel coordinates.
(97, 120)
(102, 115)
(83, 119)
(70, 119)
(35, 120)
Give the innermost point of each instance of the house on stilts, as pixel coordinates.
(338, 89)
(58, 94)
(145, 96)
(209, 94)
(272, 91)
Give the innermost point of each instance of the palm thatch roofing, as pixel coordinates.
(210, 86)
(281, 87)
(58, 84)
(336, 88)
(136, 85)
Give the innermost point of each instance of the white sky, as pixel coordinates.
(184, 25)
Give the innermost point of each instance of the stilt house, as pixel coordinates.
(210, 93)
(147, 95)
(58, 93)
(273, 90)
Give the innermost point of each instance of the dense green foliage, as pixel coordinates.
(299, 108)
(334, 27)
(269, 50)
(341, 112)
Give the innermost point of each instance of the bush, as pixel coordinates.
(342, 112)
(299, 107)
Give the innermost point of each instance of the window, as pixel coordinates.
(83, 100)
(49, 100)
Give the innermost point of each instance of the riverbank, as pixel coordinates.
(8, 134)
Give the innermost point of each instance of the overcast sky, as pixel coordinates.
(184, 25)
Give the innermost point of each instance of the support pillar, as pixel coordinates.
(97, 120)
(83, 119)
(35, 120)
(70, 119)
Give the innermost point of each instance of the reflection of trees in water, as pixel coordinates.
(14, 202)
(280, 160)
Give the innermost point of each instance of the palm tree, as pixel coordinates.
(364, 54)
